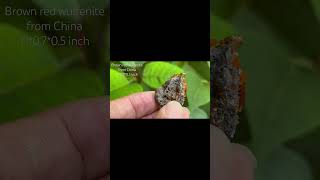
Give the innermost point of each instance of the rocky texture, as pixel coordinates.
(227, 84)
(175, 89)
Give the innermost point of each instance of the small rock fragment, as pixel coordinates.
(228, 84)
(175, 89)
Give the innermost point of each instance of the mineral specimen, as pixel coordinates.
(227, 89)
(175, 89)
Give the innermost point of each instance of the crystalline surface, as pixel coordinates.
(225, 103)
(172, 90)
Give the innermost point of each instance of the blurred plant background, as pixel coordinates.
(128, 77)
(281, 58)
(35, 78)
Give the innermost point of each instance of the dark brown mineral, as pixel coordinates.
(175, 89)
(227, 88)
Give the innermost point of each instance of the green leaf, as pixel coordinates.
(316, 6)
(133, 68)
(198, 92)
(58, 4)
(219, 28)
(206, 108)
(178, 63)
(157, 73)
(202, 68)
(128, 63)
(198, 114)
(308, 145)
(283, 164)
(72, 4)
(117, 80)
(94, 3)
(22, 63)
(298, 25)
(224, 8)
(70, 8)
(281, 100)
(302, 63)
(17, 21)
(50, 92)
(125, 91)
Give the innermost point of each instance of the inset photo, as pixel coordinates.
(160, 90)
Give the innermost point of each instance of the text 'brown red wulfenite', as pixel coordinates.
(175, 89)
(228, 84)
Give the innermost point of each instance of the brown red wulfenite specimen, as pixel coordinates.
(175, 89)
(227, 89)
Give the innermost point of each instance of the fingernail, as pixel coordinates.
(174, 109)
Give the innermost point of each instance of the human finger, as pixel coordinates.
(133, 106)
(71, 142)
(244, 162)
(229, 161)
(90, 129)
(173, 110)
(220, 159)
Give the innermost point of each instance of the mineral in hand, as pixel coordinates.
(227, 87)
(175, 89)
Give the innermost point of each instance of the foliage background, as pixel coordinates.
(280, 56)
(35, 78)
(151, 75)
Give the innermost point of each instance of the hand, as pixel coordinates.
(229, 161)
(71, 142)
(143, 105)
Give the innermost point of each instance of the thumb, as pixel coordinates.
(173, 110)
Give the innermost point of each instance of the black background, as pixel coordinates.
(167, 31)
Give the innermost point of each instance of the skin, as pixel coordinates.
(229, 161)
(70, 142)
(73, 142)
(143, 105)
